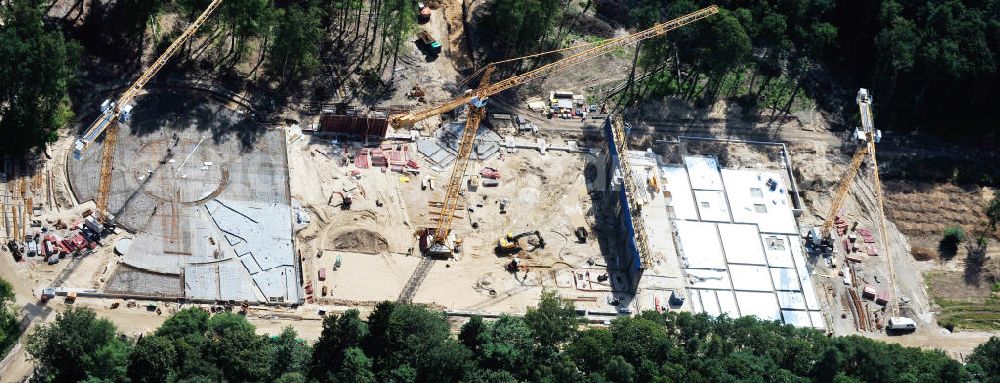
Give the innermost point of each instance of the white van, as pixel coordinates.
(901, 324)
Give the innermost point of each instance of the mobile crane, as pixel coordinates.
(476, 101)
(867, 136)
(112, 112)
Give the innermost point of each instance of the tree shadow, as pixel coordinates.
(179, 111)
(975, 259)
(947, 249)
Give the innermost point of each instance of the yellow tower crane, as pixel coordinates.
(867, 136)
(476, 101)
(111, 112)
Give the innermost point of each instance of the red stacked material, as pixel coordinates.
(361, 160)
(871, 250)
(866, 235)
(490, 173)
(64, 246)
(378, 158)
(77, 242)
(409, 158)
(869, 292)
(847, 245)
(395, 158)
(841, 225)
(882, 298)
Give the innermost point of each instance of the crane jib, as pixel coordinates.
(567, 62)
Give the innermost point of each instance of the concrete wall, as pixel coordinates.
(630, 260)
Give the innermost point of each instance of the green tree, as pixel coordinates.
(9, 326)
(236, 349)
(620, 371)
(513, 28)
(508, 346)
(953, 235)
(291, 355)
(340, 333)
(553, 321)
(37, 65)
(993, 211)
(356, 367)
(590, 349)
(246, 20)
(297, 38)
(77, 346)
(474, 334)
(637, 338)
(187, 329)
(986, 360)
(291, 377)
(152, 360)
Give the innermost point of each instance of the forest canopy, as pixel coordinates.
(408, 343)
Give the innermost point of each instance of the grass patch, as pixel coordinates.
(967, 315)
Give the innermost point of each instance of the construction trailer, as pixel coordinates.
(369, 129)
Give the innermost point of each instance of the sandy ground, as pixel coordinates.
(548, 193)
(545, 192)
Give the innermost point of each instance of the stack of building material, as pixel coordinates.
(869, 292)
(361, 160)
(871, 250)
(866, 235)
(882, 298)
(841, 225)
(378, 158)
(396, 160)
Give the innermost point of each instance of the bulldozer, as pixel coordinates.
(509, 244)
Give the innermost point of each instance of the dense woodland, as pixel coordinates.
(9, 325)
(931, 65)
(407, 343)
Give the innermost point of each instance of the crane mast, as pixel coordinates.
(111, 112)
(868, 136)
(476, 100)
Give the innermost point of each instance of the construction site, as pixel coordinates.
(178, 196)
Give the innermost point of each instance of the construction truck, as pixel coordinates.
(433, 46)
(510, 244)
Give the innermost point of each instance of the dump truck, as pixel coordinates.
(432, 45)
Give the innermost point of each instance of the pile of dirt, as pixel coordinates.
(360, 241)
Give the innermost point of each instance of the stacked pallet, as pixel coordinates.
(841, 225)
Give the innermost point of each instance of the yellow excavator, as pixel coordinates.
(510, 243)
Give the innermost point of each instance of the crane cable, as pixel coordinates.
(885, 240)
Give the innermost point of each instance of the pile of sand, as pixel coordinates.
(358, 240)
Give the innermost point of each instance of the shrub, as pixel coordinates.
(953, 235)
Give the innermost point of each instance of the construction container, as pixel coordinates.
(322, 274)
(869, 292)
(489, 182)
(355, 127)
